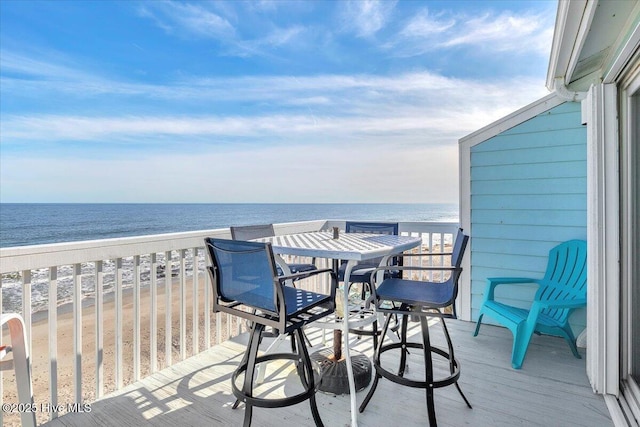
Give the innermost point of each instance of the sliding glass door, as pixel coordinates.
(630, 245)
(634, 255)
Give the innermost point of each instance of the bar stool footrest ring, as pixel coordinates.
(451, 379)
(262, 402)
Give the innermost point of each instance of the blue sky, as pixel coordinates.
(264, 101)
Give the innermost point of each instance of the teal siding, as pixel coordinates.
(528, 193)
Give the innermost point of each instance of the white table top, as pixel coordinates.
(349, 246)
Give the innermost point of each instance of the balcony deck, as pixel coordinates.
(550, 389)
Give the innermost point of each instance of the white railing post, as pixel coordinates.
(99, 329)
(118, 326)
(77, 332)
(26, 306)
(168, 279)
(183, 306)
(53, 341)
(196, 306)
(207, 308)
(153, 340)
(136, 318)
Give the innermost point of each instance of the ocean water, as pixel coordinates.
(33, 224)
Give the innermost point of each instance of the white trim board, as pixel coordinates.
(514, 119)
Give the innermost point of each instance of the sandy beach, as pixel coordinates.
(40, 339)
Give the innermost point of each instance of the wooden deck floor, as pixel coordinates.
(550, 389)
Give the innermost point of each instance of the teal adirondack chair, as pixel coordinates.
(562, 290)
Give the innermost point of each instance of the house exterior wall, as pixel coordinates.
(528, 192)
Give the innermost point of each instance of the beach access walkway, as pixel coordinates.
(550, 389)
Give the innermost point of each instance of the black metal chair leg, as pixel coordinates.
(375, 333)
(245, 357)
(306, 339)
(376, 363)
(452, 363)
(300, 363)
(307, 376)
(247, 386)
(403, 341)
(431, 407)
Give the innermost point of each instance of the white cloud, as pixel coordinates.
(187, 19)
(423, 25)
(414, 109)
(331, 94)
(366, 17)
(503, 32)
(526, 32)
(278, 37)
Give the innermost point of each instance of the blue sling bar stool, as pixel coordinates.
(246, 284)
(409, 298)
(361, 273)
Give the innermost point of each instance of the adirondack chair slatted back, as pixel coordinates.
(565, 278)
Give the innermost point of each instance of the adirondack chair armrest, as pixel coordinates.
(576, 303)
(493, 282)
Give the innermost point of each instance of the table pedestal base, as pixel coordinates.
(334, 373)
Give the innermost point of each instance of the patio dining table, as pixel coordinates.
(350, 247)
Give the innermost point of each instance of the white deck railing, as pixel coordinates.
(47, 281)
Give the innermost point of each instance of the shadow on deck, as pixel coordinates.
(550, 389)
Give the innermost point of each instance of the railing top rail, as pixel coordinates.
(43, 256)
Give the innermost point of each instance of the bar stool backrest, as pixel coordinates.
(388, 228)
(457, 255)
(372, 227)
(250, 232)
(244, 272)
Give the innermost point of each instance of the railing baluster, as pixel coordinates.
(53, 341)
(167, 307)
(118, 333)
(26, 306)
(183, 306)
(218, 327)
(153, 340)
(431, 243)
(136, 317)
(77, 332)
(99, 329)
(196, 306)
(207, 309)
